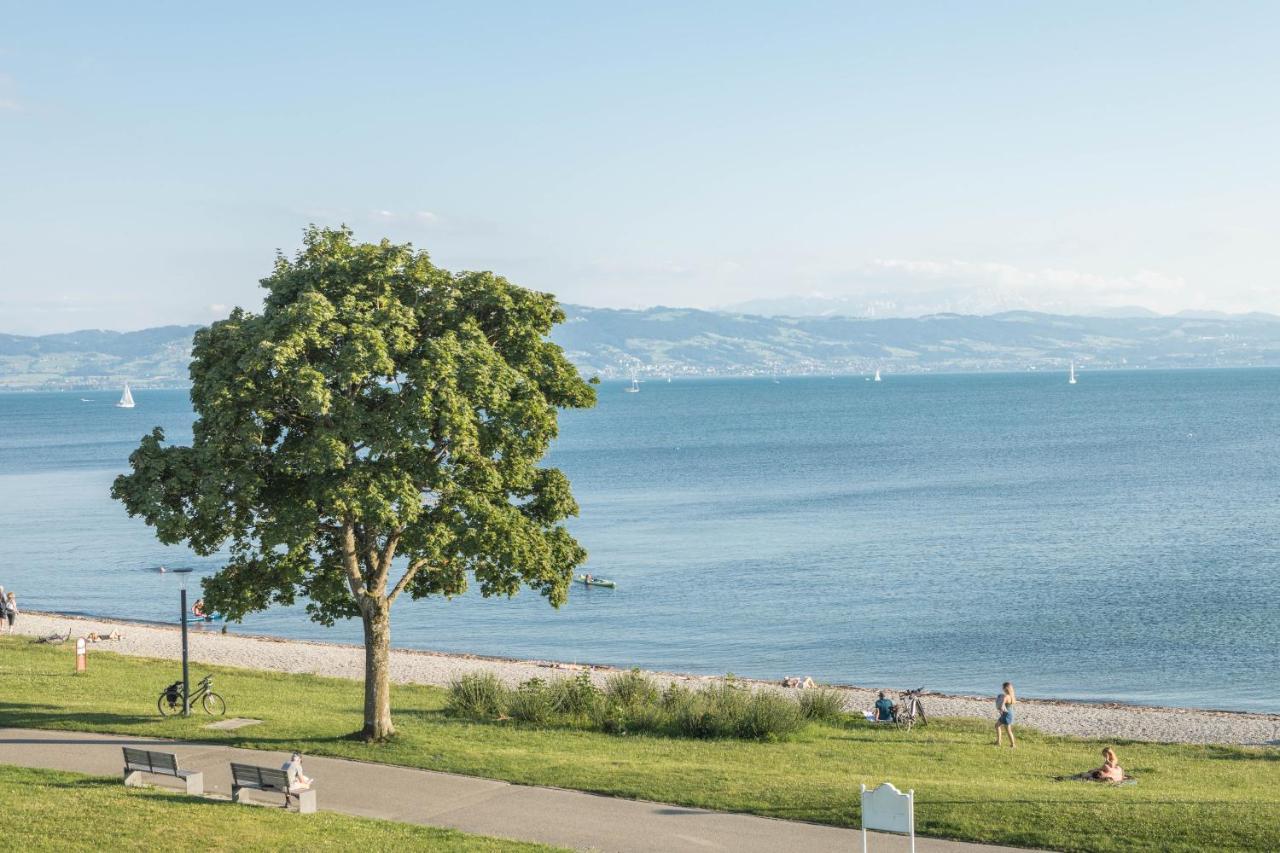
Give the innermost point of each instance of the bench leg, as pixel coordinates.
(195, 783)
(306, 802)
(236, 794)
(133, 778)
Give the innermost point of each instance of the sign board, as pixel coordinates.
(888, 810)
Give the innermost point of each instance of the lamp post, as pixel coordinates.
(186, 672)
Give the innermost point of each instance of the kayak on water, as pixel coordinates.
(595, 581)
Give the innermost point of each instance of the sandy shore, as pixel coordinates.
(1174, 725)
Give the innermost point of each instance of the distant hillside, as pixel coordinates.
(688, 342)
(685, 341)
(150, 358)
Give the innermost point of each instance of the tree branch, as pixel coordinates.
(413, 569)
(350, 559)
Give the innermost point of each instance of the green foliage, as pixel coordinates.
(477, 695)
(532, 702)
(379, 408)
(821, 703)
(577, 696)
(631, 703)
(627, 689)
(766, 715)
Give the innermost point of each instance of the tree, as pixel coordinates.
(375, 431)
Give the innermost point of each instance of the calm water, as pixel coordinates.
(1117, 539)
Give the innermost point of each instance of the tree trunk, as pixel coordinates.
(377, 665)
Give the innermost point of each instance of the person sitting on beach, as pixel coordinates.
(293, 770)
(198, 609)
(885, 709)
(1110, 771)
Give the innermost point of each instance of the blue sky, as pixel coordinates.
(905, 157)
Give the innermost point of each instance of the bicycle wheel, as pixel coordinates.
(167, 708)
(213, 704)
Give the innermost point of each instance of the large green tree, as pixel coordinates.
(375, 431)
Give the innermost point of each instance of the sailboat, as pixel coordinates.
(635, 387)
(126, 399)
(1072, 379)
(877, 379)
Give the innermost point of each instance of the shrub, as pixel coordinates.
(677, 698)
(477, 694)
(532, 702)
(577, 696)
(631, 688)
(821, 703)
(767, 715)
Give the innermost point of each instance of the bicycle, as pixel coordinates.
(910, 710)
(170, 701)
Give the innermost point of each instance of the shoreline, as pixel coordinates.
(1106, 720)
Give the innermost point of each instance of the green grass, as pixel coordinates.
(1188, 798)
(46, 810)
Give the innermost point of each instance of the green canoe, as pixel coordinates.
(595, 581)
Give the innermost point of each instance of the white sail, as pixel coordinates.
(1072, 380)
(635, 387)
(126, 399)
(877, 374)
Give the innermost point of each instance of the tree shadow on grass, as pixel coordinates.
(32, 715)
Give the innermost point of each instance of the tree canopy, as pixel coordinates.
(376, 430)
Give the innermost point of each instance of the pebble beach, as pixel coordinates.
(209, 646)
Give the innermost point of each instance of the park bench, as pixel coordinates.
(248, 777)
(139, 761)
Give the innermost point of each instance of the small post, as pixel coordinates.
(80, 655)
(186, 673)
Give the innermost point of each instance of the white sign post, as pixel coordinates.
(886, 809)
(80, 656)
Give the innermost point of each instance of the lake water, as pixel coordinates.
(1116, 539)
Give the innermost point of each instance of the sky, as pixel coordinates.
(894, 158)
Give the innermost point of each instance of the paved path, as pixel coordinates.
(548, 815)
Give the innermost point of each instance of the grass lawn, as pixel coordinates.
(1188, 798)
(54, 811)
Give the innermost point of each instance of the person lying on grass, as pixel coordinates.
(1110, 771)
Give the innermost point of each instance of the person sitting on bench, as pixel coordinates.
(293, 767)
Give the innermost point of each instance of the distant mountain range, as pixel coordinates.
(615, 343)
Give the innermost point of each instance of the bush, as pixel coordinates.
(477, 694)
(631, 688)
(766, 715)
(577, 696)
(821, 703)
(532, 702)
(677, 698)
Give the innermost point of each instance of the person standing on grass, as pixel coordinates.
(4, 622)
(1004, 707)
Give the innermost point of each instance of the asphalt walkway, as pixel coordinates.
(484, 806)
